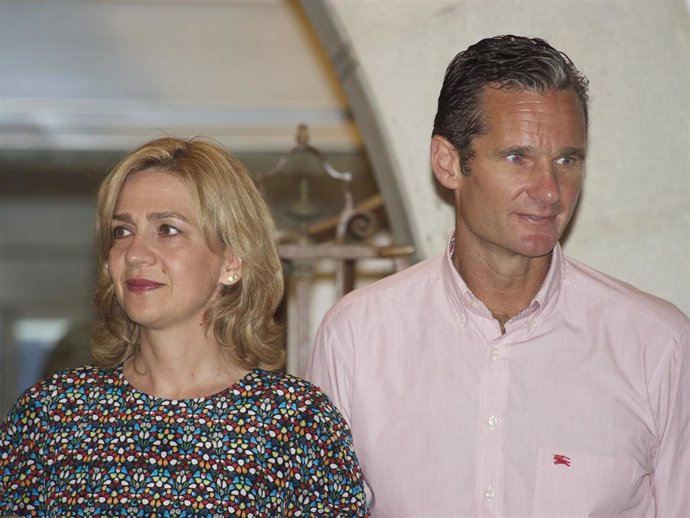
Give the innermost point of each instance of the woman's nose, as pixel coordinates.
(140, 251)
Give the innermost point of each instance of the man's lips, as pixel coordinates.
(141, 284)
(538, 218)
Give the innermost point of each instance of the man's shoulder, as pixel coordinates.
(599, 288)
(399, 287)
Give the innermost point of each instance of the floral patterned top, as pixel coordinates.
(86, 443)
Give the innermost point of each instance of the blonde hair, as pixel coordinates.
(234, 216)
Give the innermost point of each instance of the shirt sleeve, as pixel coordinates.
(330, 368)
(670, 395)
(21, 466)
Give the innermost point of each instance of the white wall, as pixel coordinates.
(634, 217)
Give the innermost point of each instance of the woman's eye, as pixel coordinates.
(168, 230)
(120, 232)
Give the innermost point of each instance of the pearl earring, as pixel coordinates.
(233, 278)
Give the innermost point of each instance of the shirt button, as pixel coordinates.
(495, 353)
(533, 324)
(489, 494)
(492, 422)
(461, 320)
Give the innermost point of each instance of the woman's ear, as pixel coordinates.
(231, 272)
(445, 162)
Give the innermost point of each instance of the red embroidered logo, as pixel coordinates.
(561, 459)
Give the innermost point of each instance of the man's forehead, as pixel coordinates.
(496, 101)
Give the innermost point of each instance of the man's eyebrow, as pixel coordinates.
(577, 152)
(514, 150)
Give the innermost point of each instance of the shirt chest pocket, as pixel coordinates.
(583, 485)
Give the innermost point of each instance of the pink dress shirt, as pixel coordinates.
(581, 409)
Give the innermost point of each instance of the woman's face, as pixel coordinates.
(163, 270)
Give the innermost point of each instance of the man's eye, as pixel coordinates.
(566, 161)
(120, 232)
(514, 157)
(168, 230)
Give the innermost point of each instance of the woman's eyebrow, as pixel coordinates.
(153, 216)
(165, 215)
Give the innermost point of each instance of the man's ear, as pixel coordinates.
(231, 272)
(445, 162)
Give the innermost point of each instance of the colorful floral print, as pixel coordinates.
(86, 443)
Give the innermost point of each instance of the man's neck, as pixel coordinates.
(506, 285)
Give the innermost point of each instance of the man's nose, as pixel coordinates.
(545, 186)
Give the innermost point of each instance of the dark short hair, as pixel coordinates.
(512, 62)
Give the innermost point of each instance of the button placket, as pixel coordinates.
(461, 319)
(494, 398)
(492, 422)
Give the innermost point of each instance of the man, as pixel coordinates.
(503, 378)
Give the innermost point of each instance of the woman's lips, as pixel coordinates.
(139, 285)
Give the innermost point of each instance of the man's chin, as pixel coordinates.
(539, 247)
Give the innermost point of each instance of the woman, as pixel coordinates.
(184, 413)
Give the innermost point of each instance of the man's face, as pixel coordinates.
(526, 173)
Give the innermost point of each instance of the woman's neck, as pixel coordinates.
(179, 366)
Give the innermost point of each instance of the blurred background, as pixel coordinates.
(84, 81)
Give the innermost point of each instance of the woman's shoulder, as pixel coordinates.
(67, 392)
(278, 380)
(295, 398)
(68, 384)
(282, 385)
(86, 376)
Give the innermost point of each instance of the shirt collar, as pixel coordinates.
(463, 300)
